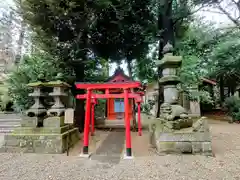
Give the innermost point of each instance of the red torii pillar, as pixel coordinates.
(94, 102)
(127, 125)
(87, 123)
(139, 119)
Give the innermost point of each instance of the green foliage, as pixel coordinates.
(75, 31)
(203, 96)
(226, 59)
(100, 108)
(145, 69)
(34, 68)
(146, 107)
(233, 106)
(4, 97)
(195, 48)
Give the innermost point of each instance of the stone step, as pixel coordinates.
(10, 120)
(6, 130)
(9, 125)
(9, 115)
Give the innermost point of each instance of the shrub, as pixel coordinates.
(100, 108)
(33, 68)
(203, 96)
(232, 104)
(4, 97)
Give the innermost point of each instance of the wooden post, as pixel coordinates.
(87, 123)
(139, 120)
(127, 125)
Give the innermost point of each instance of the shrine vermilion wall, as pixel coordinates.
(111, 115)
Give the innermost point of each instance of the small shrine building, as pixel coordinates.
(114, 112)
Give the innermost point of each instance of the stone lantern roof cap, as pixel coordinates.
(170, 61)
(49, 84)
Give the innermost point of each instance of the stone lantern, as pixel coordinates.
(58, 93)
(37, 111)
(169, 80)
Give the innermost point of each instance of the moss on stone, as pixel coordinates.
(56, 84)
(35, 84)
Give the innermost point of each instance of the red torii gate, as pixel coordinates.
(91, 99)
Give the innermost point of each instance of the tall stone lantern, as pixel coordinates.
(169, 80)
(174, 131)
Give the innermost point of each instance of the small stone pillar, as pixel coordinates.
(37, 112)
(195, 109)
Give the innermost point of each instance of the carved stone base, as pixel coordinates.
(194, 140)
(40, 140)
(177, 124)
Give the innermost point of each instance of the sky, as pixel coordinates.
(218, 19)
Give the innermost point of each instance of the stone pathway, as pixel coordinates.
(224, 166)
(8, 122)
(110, 151)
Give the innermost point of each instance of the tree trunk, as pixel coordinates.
(166, 30)
(20, 43)
(129, 65)
(79, 68)
(221, 86)
(79, 113)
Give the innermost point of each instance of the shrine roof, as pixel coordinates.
(208, 81)
(108, 85)
(119, 80)
(119, 76)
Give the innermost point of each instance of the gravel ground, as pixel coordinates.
(225, 164)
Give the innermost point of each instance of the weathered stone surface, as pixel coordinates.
(179, 141)
(29, 121)
(201, 125)
(178, 124)
(196, 147)
(169, 80)
(174, 147)
(206, 147)
(45, 130)
(184, 147)
(54, 122)
(41, 143)
(184, 137)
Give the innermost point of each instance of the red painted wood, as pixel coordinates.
(121, 85)
(87, 119)
(109, 96)
(92, 120)
(139, 120)
(127, 120)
